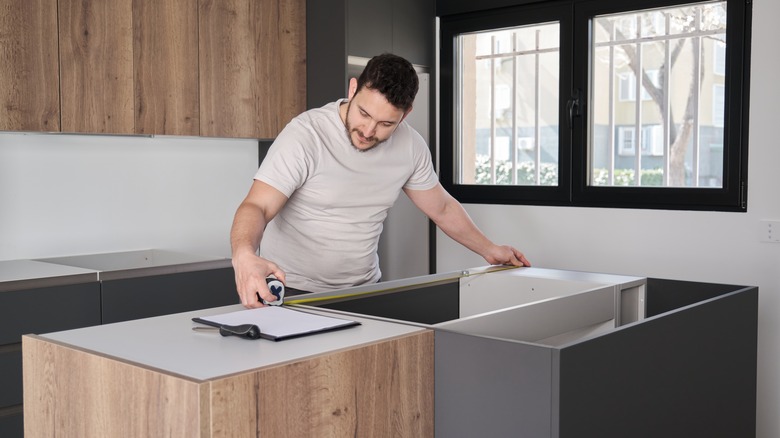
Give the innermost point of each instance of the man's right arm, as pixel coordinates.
(258, 209)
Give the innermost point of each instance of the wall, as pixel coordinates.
(79, 194)
(704, 246)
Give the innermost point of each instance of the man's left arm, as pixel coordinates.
(449, 215)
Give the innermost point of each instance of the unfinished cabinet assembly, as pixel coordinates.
(548, 353)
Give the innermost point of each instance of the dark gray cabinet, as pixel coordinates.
(153, 282)
(143, 297)
(39, 310)
(48, 309)
(339, 29)
(32, 302)
(43, 296)
(11, 375)
(414, 30)
(403, 27)
(11, 422)
(370, 27)
(560, 354)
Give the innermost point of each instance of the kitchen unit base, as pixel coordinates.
(109, 381)
(560, 354)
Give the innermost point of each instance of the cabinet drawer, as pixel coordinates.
(11, 423)
(48, 309)
(10, 375)
(143, 297)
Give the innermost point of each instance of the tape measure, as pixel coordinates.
(375, 291)
(277, 289)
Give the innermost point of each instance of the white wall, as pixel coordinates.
(699, 246)
(79, 194)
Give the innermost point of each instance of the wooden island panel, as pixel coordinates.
(76, 393)
(380, 389)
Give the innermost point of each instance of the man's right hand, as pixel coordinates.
(251, 272)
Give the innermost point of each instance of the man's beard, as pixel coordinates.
(350, 131)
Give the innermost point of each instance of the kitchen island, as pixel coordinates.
(487, 351)
(159, 377)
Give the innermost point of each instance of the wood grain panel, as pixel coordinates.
(96, 64)
(69, 392)
(165, 50)
(252, 66)
(380, 389)
(288, 75)
(29, 75)
(383, 389)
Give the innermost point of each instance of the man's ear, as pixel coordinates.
(352, 88)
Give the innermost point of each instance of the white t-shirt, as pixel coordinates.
(326, 235)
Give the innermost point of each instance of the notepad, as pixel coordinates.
(279, 323)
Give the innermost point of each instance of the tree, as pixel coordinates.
(689, 20)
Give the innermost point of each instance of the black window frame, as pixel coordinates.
(573, 189)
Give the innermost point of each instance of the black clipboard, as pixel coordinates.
(279, 323)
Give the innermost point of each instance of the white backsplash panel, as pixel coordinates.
(76, 194)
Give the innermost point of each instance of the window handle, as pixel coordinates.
(573, 107)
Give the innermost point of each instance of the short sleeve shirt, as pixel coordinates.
(326, 235)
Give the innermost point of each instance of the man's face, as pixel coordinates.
(371, 119)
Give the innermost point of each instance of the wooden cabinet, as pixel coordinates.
(96, 64)
(228, 68)
(252, 66)
(129, 66)
(165, 66)
(29, 77)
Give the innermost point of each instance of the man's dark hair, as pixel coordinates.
(392, 76)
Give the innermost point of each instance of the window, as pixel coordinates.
(718, 105)
(507, 107)
(539, 104)
(628, 85)
(651, 140)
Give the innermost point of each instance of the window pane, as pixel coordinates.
(656, 115)
(507, 124)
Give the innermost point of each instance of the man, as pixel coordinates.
(323, 191)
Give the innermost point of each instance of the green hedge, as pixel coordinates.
(525, 173)
(625, 177)
(548, 175)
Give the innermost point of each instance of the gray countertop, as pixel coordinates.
(129, 264)
(28, 274)
(60, 271)
(168, 343)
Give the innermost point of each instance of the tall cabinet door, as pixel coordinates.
(165, 49)
(96, 64)
(29, 77)
(252, 66)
